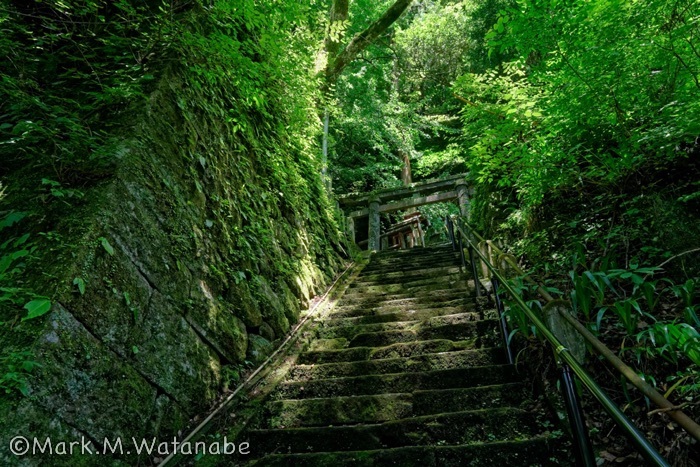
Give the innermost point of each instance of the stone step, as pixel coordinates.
(417, 363)
(397, 382)
(378, 408)
(388, 255)
(378, 268)
(420, 250)
(484, 397)
(456, 428)
(390, 306)
(443, 259)
(470, 330)
(348, 327)
(391, 314)
(415, 296)
(338, 411)
(458, 283)
(403, 275)
(407, 283)
(404, 349)
(407, 260)
(533, 451)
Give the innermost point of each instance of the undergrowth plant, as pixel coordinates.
(14, 253)
(657, 316)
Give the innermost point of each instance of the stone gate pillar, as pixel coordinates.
(374, 225)
(350, 228)
(463, 198)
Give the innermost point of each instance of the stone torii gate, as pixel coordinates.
(357, 206)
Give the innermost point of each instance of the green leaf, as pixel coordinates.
(12, 219)
(108, 248)
(37, 308)
(81, 285)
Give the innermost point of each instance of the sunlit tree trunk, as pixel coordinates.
(337, 59)
(406, 177)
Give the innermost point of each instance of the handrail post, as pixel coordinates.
(461, 253)
(582, 443)
(502, 320)
(451, 232)
(475, 273)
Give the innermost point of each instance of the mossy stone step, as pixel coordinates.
(426, 402)
(378, 408)
(419, 250)
(416, 296)
(535, 451)
(372, 269)
(417, 363)
(402, 275)
(350, 317)
(443, 256)
(410, 256)
(458, 283)
(363, 310)
(397, 382)
(428, 276)
(404, 349)
(447, 280)
(349, 328)
(345, 410)
(453, 331)
(456, 428)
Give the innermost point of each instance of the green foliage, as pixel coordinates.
(17, 367)
(632, 298)
(80, 283)
(15, 252)
(73, 66)
(581, 149)
(37, 308)
(396, 102)
(107, 246)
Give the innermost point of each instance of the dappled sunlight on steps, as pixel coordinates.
(404, 371)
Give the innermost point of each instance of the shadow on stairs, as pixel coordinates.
(403, 371)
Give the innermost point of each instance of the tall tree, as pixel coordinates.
(338, 58)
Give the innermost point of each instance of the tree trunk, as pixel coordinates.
(406, 177)
(339, 60)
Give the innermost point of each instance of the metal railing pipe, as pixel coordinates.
(582, 442)
(502, 319)
(687, 423)
(561, 352)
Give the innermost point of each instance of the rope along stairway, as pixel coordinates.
(404, 371)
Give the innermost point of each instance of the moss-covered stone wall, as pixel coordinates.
(172, 274)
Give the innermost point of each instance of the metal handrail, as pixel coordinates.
(564, 355)
(673, 412)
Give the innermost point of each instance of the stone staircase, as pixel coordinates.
(404, 371)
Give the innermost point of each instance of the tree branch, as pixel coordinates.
(362, 40)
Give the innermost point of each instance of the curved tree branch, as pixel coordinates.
(337, 62)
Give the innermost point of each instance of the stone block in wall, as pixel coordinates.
(84, 384)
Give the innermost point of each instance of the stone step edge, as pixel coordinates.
(405, 394)
(384, 375)
(385, 347)
(513, 411)
(328, 325)
(417, 356)
(491, 445)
